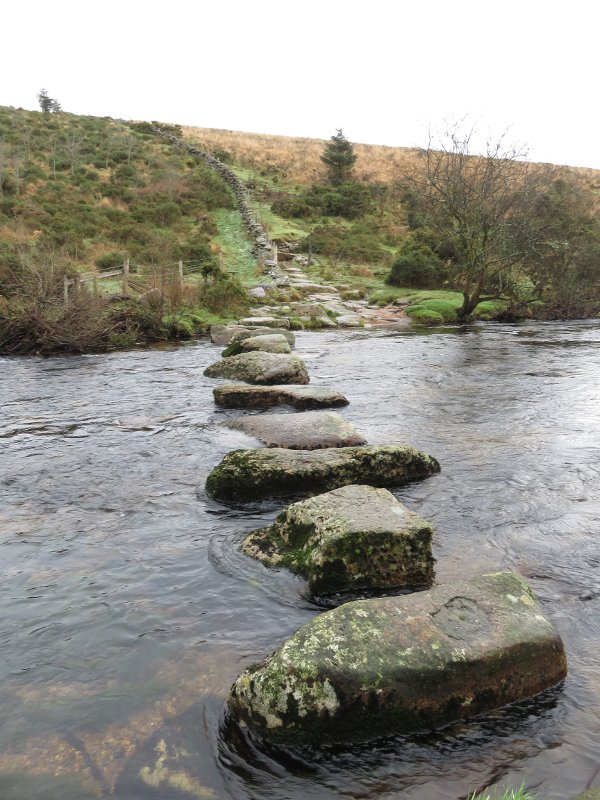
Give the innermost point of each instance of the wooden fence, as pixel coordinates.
(72, 284)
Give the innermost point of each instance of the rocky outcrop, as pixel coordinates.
(310, 430)
(254, 474)
(227, 334)
(303, 398)
(356, 537)
(402, 664)
(264, 343)
(260, 368)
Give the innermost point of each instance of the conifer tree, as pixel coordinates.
(340, 158)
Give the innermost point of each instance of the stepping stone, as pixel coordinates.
(251, 333)
(279, 472)
(260, 368)
(312, 287)
(264, 343)
(403, 664)
(310, 430)
(349, 321)
(240, 395)
(265, 322)
(225, 334)
(356, 537)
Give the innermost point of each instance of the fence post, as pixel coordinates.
(126, 277)
(180, 269)
(66, 291)
(274, 249)
(77, 285)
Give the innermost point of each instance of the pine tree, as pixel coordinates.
(47, 104)
(340, 158)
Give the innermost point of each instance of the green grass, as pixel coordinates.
(235, 246)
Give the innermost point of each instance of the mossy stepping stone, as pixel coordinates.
(260, 368)
(241, 395)
(281, 472)
(356, 537)
(403, 664)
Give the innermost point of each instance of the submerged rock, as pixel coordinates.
(279, 472)
(265, 322)
(310, 430)
(356, 537)
(266, 343)
(240, 395)
(402, 664)
(225, 334)
(261, 368)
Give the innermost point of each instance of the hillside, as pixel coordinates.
(297, 159)
(83, 196)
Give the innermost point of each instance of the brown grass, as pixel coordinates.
(297, 159)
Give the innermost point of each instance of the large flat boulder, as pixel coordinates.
(310, 430)
(403, 664)
(273, 343)
(356, 537)
(265, 322)
(260, 368)
(279, 472)
(225, 334)
(240, 395)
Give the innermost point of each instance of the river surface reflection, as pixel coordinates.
(127, 610)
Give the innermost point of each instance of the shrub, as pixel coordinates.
(110, 261)
(224, 292)
(416, 266)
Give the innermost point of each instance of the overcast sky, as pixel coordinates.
(383, 71)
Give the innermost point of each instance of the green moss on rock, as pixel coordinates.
(279, 472)
(260, 368)
(403, 664)
(355, 537)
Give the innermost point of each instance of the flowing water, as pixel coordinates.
(127, 610)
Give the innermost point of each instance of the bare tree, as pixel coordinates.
(129, 142)
(72, 146)
(477, 208)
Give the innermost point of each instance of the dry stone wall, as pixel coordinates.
(262, 246)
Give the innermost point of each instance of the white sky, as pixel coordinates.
(383, 71)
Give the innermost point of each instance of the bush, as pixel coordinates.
(354, 244)
(416, 266)
(351, 200)
(225, 292)
(110, 261)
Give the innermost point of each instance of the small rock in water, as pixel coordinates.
(303, 398)
(403, 664)
(356, 537)
(273, 343)
(226, 334)
(260, 368)
(279, 472)
(310, 430)
(265, 322)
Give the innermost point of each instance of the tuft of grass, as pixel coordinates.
(509, 794)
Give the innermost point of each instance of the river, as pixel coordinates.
(127, 611)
